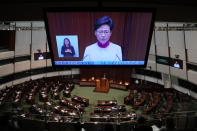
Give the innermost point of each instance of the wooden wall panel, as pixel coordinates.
(116, 74)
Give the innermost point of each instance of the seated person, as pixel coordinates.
(141, 125)
(41, 57)
(169, 125)
(103, 49)
(176, 64)
(157, 125)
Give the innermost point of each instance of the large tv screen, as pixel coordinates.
(104, 36)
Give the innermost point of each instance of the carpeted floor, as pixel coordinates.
(113, 94)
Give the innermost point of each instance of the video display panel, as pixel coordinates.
(99, 37)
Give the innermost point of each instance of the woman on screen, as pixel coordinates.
(67, 49)
(176, 64)
(103, 49)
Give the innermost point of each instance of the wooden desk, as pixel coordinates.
(80, 100)
(106, 102)
(102, 85)
(108, 109)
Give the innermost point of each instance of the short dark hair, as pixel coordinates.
(141, 120)
(102, 21)
(170, 124)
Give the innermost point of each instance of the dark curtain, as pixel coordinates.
(136, 34)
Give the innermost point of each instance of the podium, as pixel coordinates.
(102, 85)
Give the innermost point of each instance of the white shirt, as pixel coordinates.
(112, 52)
(155, 128)
(176, 65)
(40, 57)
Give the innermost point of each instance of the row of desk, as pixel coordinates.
(118, 117)
(110, 111)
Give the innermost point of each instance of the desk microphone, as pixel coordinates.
(85, 57)
(118, 57)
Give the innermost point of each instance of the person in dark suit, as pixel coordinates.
(169, 125)
(67, 49)
(141, 125)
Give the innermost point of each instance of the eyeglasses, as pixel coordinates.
(103, 31)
